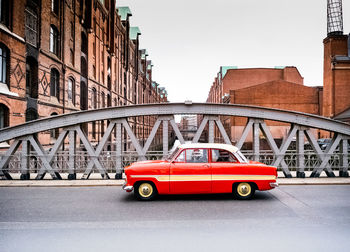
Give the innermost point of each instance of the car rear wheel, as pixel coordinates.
(145, 191)
(243, 190)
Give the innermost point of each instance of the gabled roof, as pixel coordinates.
(124, 12)
(134, 32)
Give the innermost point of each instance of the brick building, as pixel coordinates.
(280, 87)
(63, 56)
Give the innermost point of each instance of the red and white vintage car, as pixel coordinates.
(197, 169)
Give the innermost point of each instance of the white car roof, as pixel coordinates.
(227, 147)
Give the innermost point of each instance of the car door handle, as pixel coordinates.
(207, 166)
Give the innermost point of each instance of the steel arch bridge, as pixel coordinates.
(24, 135)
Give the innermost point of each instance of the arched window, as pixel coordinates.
(4, 63)
(94, 98)
(4, 116)
(103, 103)
(54, 45)
(31, 77)
(55, 83)
(71, 90)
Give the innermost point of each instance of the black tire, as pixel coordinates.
(145, 191)
(243, 190)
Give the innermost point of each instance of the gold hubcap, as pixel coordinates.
(145, 190)
(244, 189)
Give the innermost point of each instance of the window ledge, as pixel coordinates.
(5, 90)
(5, 29)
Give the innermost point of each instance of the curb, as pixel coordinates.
(99, 183)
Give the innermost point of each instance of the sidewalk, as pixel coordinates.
(95, 180)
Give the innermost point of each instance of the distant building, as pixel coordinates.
(280, 87)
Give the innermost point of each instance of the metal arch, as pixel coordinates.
(67, 120)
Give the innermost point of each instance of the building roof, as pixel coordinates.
(134, 32)
(124, 12)
(223, 69)
(227, 147)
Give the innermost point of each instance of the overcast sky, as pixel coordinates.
(188, 40)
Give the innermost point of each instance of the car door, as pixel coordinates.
(224, 168)
(190, 172)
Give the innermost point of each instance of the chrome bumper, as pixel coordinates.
(128, 188)
(274, 184)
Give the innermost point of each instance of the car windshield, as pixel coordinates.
(172, 155)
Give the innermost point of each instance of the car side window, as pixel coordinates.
(196, 156)
(181, 157)
(222, 156)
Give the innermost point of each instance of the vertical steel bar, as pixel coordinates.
(256, 141)
(118, 150)
(300, 153)
(165, 138)
(25, 173)
(211, 131)
(344, 158)
(72, 154)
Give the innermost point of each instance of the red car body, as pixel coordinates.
(200, 169)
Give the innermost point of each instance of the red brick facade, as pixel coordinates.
(65, 56)
(280, 88)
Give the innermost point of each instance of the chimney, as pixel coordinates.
(334, 17)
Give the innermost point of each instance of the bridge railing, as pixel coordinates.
(23, 139)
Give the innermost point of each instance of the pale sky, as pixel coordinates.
(188, 40)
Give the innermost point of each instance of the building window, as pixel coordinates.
(83, 96)
(94, 129)
(71, 90)
(83, 67)
(31, 77)
(5, 12)
(4, 63)
(4, 116)
(54, 40)
(109, 100)
(55, 83)
(54, 6)
(103, 103)
(94, 98)
(31, 27)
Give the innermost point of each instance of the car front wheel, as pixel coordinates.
(145, 191)
(243, 190)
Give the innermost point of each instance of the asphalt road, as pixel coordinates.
(290, 218)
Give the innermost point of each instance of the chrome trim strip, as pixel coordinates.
(206, 177)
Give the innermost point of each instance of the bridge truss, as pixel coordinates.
(23, 139)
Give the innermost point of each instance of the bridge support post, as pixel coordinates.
(165, 138)
(344, 158)
(25, 173)
(118, 149)
(256, 140)
(300, 136)
(72, 153)
(211, 131)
